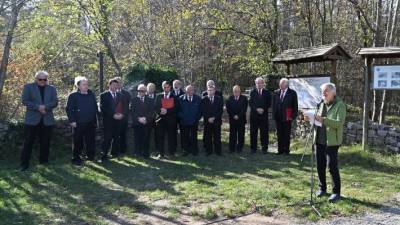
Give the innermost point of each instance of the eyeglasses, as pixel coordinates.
(141, 91)
(42, 79)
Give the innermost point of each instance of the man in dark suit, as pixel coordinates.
(177, 86)
(189, 115)
(112, 109)
(285, 109)
(151, 95)
(211, 83)
(40, 99)
(211, 109)
(236, 106)
(142, 118)
(166, 108)
(260, 101)
(82, 114)
(125, 99)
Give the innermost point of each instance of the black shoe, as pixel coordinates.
(253, 151)
(23, 168)
(334, 198)
(104, 159)
(185, 154)
(90, 158)
(77, 162)
(265, 151)
(286, 153)
(321, 193)
(279, 153)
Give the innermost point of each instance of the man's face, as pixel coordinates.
(119, 84)
(177, 85)
(236, 92)
(113, 86)
(283, 85)
(83, 86)
(142, 92)
(189, 91)
(166, 88)
(41, 80)
(260, 84)
(328, 95)
(150, 89)
(210, 92)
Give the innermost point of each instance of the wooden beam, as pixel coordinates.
(333, 72)
(288, 69)
(367, 77)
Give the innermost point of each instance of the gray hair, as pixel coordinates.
(79, 79)
(189, 86)
(284, 80)
(329, 86)
(41, 73)
(210, 83)
(258, 79)
(141, 87)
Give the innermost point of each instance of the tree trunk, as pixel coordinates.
(7, 44)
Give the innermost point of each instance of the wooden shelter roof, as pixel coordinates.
(312, 54)
(380, 52)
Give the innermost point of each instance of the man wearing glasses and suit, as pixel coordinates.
(40, 99)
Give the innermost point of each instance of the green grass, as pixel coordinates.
(202, 187)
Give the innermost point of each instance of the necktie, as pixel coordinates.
(113, 95)
(236, 98)
(190, 99)
(260, 91)
(212, 100)
(282, 95)
(142, 99)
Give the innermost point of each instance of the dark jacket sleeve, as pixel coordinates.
(243, 110)
(104, 108)
(268, 104)
(70, 108)
(295, 105)
(251, 101)
(228, 107)
(26, 100)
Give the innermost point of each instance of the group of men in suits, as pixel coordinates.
(159, 115)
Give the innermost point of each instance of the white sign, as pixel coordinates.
(386, 77)
(308, 90)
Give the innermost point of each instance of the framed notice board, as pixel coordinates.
(386, 77)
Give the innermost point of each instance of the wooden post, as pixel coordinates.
(333, 72)
(367, 76)
(288, 69)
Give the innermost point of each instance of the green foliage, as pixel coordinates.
(151, 73)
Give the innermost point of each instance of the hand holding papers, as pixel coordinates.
(310, 114)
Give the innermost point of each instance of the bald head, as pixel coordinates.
(189, 90)
(236, 90)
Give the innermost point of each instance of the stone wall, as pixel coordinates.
(384, 136)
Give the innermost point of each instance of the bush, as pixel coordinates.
(150, 73)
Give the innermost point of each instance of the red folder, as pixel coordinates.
(289, 114)
(119, 108)
(167, 103)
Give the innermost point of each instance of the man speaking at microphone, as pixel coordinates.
(331, 112)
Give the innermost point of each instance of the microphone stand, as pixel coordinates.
(310, 136)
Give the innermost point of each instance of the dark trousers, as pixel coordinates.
(259, 123)
(165, 128)
(84, 134)
(212, 138)
(30, 133)
(189, 138)
(283, 130)
(236, 136)
(141, 135)
(122, 135)
(111, 137)
(328, 155)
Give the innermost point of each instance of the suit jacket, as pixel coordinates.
(108, 106)
(259, 101)
(181, 92)
(126, 100)
(142, 109)
(238, 108)
(171, 113)
(280, 109)
(209, 110)
(31, 98)
(189, 112)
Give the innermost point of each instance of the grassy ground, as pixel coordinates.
(201, 188)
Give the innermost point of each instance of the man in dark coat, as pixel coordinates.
(236, 106)
(211, 110)
(211, 83)
(142, 117)
(125, 99)
(166, 108)
(189, 115)
(285, 110)
(112, 110)
(82, 114)
(260, 101)
(40, 99)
